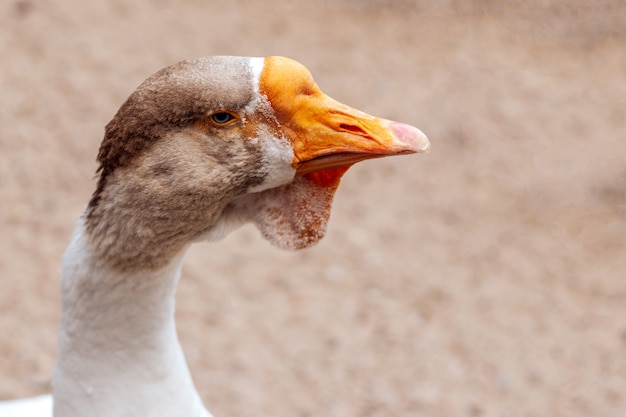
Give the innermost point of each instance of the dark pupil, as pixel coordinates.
(222, 117)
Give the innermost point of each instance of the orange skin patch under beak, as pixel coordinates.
(327, 137)
(328, 177)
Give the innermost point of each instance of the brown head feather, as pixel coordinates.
(166, 172)
(173, 98)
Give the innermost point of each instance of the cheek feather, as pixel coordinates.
(277, 154)
(277, 157)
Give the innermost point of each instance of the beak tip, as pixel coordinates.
(413, 138)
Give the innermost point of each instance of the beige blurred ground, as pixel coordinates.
(484, 279)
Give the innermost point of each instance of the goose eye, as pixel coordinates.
(223, 118)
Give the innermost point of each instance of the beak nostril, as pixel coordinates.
(356, 130)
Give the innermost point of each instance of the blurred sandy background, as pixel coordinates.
(487, 278)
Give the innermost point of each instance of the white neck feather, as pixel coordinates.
(119, 353)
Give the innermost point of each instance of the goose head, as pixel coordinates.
(206, 145)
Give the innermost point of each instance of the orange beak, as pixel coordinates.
(325, 134)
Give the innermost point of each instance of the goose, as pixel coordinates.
(197, 150)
